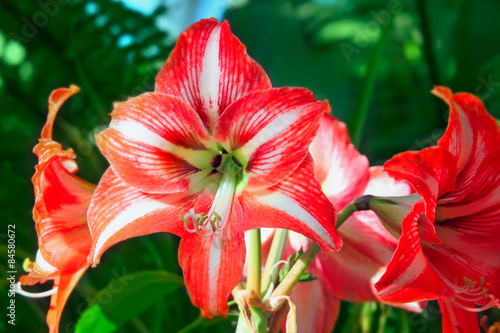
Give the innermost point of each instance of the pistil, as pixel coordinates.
(213, 222)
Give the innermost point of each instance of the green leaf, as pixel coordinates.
(292, 259)
(125, 298)
(306, 277)
(289, 263)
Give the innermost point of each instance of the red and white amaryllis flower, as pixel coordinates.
(349, 275)
(449, 247)
(60, 214)
(212, 152)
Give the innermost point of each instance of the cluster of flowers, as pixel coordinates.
(215, 151)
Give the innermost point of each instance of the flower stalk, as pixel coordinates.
(305, 260)
(296, 271)
(345, 213)
(254, 262)
(275, 254)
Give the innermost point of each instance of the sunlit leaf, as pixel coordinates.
(126, 298)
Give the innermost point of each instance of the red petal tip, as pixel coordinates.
(56, 100)
(444, 93)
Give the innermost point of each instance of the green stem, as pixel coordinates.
(241, 326)
(254, 262)
(358, 118)
(427, 41)
(301, 265)
(382, 320)
(260, 320)
(345, 213)
(353, 321)
(360, 203)
(366, 317)
(197, 322)
(275, 254)
(296, 271)
(429, 53)
(87, 86)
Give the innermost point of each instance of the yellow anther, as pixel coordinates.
(217, 216)
(186, 222)
(202, 219)
(468, 282)
(212, 224)
(27, 265)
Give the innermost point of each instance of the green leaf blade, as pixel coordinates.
(125, 298)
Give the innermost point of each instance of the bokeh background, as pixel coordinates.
(374, 60)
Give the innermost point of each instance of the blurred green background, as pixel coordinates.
(374, 60)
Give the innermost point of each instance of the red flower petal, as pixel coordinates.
(61, 198)
(381, 184)
(456, 319)
(317, 308)
(56, 100)
(65, 285)
(430, 173)
(472, 137)
(213, 266)
(471, 131)
(297, 204)
(119, 212)
(269, 132)
(469, 248)
(158, 137)
(342, 171)
(60, 212)
(209, 68)
(368, 248)
(410, 276)
(61, 202)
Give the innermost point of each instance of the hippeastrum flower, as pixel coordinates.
(61, 202)
(349, 275)
(449, 245)
(212, 152)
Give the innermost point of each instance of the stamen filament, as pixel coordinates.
(494, 302)
(469, 291)
(206, 225)
(462, 297)
(20, 291)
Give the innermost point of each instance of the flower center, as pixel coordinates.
(214, 221)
